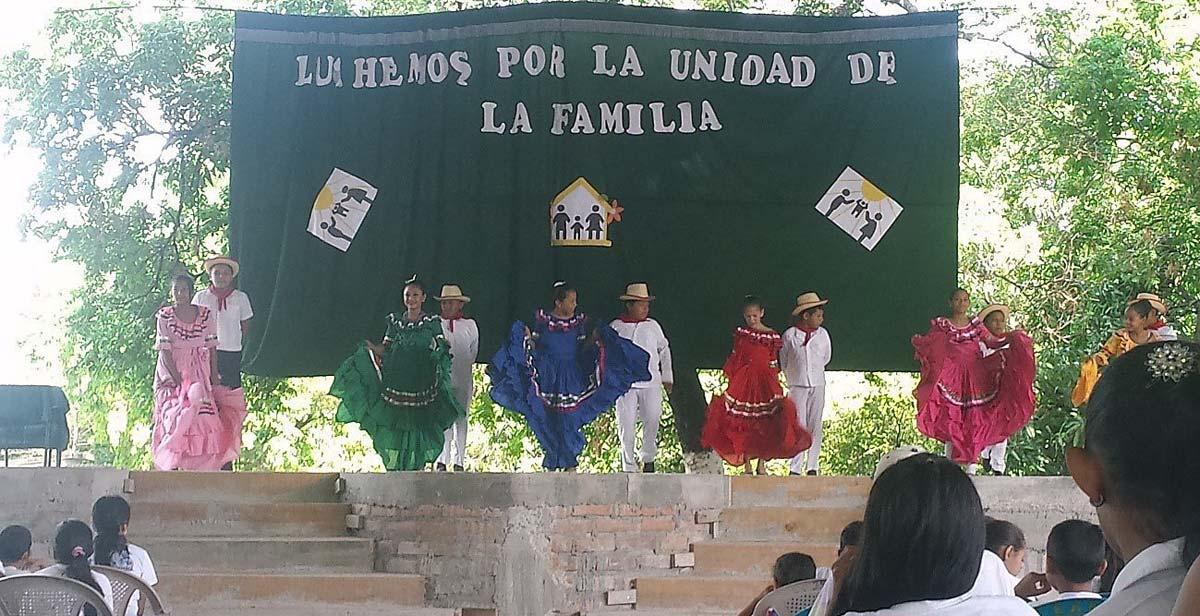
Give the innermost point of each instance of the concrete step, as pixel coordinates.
(753, 558)
(225, 487)
(713, 593)
(269, 589)
(237, 554)
(787, 523)
(811, 492)
(196, 519)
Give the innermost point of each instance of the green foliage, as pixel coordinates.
(853, 442)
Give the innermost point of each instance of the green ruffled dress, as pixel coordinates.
(405, 401)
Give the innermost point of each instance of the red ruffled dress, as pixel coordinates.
(753, 418)
(976, 389)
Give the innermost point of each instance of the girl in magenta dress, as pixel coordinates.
(976, 388)
(753, 418)
(197, 421)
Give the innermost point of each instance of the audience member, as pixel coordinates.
(1074, 559)
(847, 543)
(73, 546)
(1138, 467)
(788, 569)
(922, 536)
(1003, 560)
(15, 543)
(110, 516)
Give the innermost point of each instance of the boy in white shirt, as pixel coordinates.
(462, 334)
(806, 351)
(15, 543)
(231, 309)
(644, 398)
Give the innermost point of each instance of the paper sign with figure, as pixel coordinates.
(859, 208)
(580, 216)
(339, 209)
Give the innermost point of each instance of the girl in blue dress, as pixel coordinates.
(561, 372)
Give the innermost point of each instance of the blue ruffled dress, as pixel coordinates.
(560, 379)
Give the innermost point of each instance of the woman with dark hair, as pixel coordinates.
(401, 391)
(560, 374)
(110, 517)
(197, 420)
(965, 399)
(1143, 324)
(1138, 467)
(922, 536)
(72, 549)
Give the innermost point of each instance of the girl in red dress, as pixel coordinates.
(753, 418)
(976, 386)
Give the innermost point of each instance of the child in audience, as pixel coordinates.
(110, 516)
(923, 533)
(847, 544)
(15, 542)
(788, 569)
(1074, 559)
(1003, 560)
(73, 546)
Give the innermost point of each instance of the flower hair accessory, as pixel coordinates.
(1172, 362)
(78, 552)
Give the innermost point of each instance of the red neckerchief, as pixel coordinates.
(1159, 324)
(452, 320)
(222, 295)
(808, 332)
(628, 319)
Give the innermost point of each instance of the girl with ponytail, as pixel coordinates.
(73, 548)
(110, 516)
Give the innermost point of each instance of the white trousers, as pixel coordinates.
(458, 432)
(997, 456)
(810, 410)
(645, 403)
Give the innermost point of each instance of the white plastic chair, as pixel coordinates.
(46, 595)
(791, 599)
(124, 585)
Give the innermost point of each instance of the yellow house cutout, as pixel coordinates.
(579, 216)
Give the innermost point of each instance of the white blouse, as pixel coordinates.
(965, 605)
(1149, 583)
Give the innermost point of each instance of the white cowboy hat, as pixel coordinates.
(1155, 302)
(221, 260)
(806, 301)
(892, 457)
(451, 291)
(636, 292)
(995, 308)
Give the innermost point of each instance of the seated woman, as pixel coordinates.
(1139, 468)
(923, 533)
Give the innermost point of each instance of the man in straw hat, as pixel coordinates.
(806, 352)
(644, 398)
(232, 310)
(463, 336)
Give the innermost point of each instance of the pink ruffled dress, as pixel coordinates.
(196, 426)
(976, 389)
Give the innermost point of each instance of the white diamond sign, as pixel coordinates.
(339, 209)
(859, 208)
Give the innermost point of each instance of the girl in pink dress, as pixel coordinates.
(197, 421)
(976, 387)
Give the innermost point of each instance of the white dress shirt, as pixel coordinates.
(965, 605)
(229, 320)
(464, 348)
(994, 579)
(1149, 584)
(648, 335)
(804, 364)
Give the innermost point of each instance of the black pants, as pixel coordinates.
(229, 368)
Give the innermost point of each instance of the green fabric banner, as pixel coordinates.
(710, 155)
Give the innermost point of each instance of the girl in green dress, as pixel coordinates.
(400, 391)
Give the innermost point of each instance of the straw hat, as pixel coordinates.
(806, 301)
(451, 291)
(637, 292)
(1155, 302)
(995, 308)
(221, 260)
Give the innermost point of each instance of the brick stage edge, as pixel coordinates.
(480, 544)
